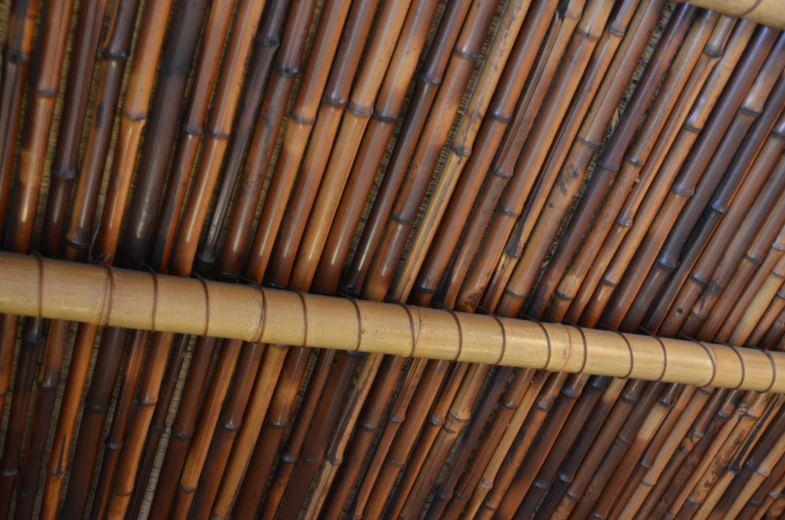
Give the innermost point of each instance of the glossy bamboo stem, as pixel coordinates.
(129, 299)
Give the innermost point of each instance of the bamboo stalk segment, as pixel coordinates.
(768, 12)
(122, 298)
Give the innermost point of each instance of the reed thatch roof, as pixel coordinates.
(606, 164)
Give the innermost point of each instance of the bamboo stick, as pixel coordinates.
(690, 176)
(17, 50)
(566, 170)
(768, 12)
(336, 91)
(748, 128)
(677, 145)
(502, 115)
(82, 293)
(631, 168)
(183, 252)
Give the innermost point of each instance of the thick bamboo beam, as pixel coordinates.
(767, 12)
(101, 295)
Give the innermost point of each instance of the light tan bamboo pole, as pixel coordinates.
(767, 12)
(52, 289)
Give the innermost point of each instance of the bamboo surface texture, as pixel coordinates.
(281, 259)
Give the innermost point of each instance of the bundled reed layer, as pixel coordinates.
(595, 164)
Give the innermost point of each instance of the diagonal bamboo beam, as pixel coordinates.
(767, 12)
(101, 295)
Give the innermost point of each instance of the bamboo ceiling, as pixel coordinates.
(604, 164)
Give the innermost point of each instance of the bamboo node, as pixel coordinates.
(304, 121)
(64, 172)
(391, 119)
(109, 55)
(358, 110)
(16, 57)
(501, 174)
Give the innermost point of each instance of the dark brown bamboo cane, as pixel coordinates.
(97, 403)
(509, 28)
(528, 470)
(630, 500)
(564, 289)
(445, 490)
(336, 93)
(637, 445)
(534, 155)
(690, 428)
(385, 466)
(192, 465)
(756, 175)
(41, 105)
(525, 438)
(430, 80)
(578, 294)
(606, 453)
(132, 123)
(616, 257)
(503, 167)
(754, 300)
(287, 66)
(607, 417)
(370, 154)
(17, 49)
(461, 410)
(499, 450)
(721, 452)
(461, 147)
(588, 140)
(763, 235)
(663, 447)
(502, 115)
(117, 44)
(691, 175)
(581, 381)
(182, 427)
(219, 127)
(751, 274)
(355, 118)
(387, 111)
(747, 123)
(353, 155)
(177, 58)
(122, 414)
(33, 339)
(63, 171)
(567, 167)
(298, 130)
(761, 461)
(268, 40)
(435, 131)
(192, 131)
(763, 496)
(681, 467)
(541, 482)
(32, 154)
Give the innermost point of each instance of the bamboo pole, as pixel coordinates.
(767, 12)
(117, 297)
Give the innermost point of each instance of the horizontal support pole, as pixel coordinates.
(97, 294)
(766, 12)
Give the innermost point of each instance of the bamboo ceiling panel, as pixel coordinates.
(607, 164)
